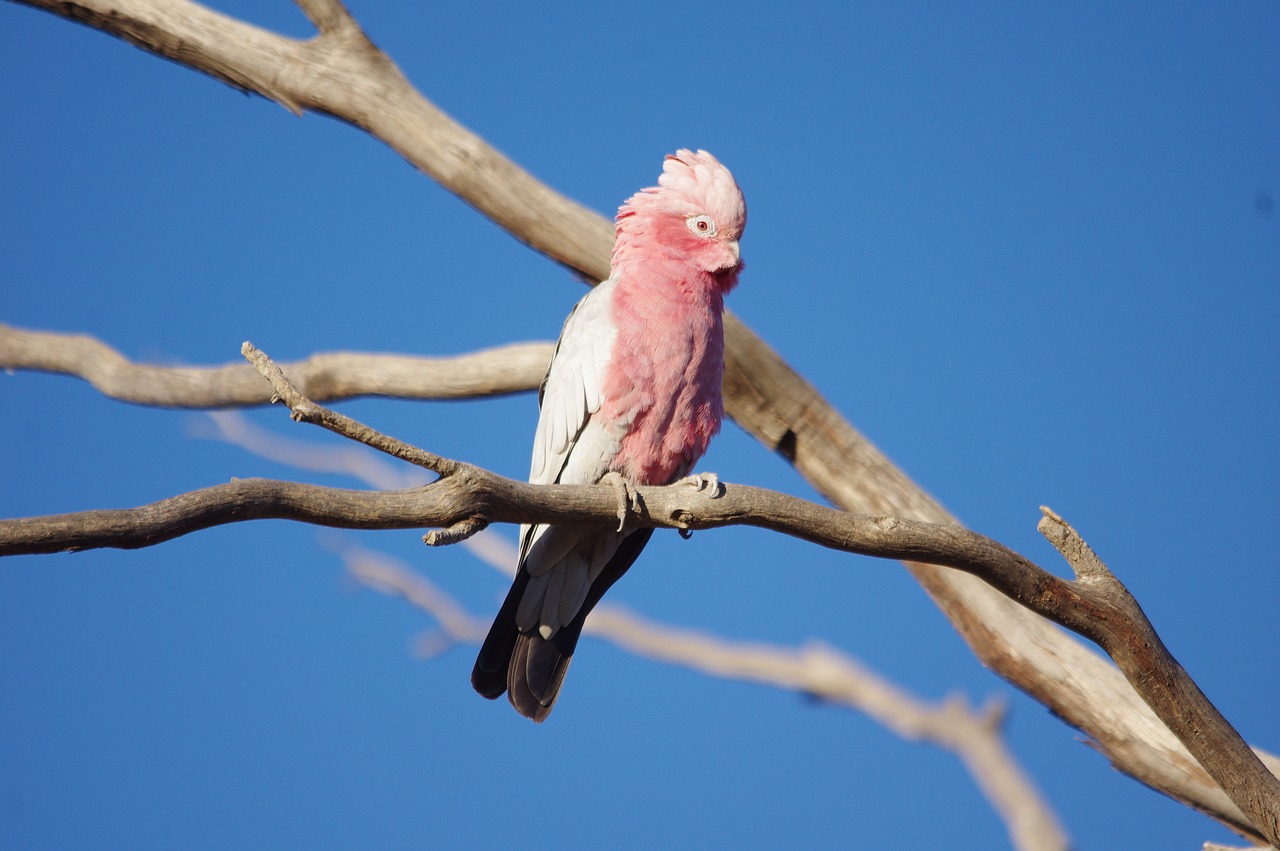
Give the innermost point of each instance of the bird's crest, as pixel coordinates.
(692, 182)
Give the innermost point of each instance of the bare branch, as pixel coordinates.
(390, 576)
(1096, 605)
(234, 502)
(469, 493)
(347, 77)
(341, 73)
(457, 533)
(323, 377)
(1120, 620)
(236, 429)
(815, 670)
(329, 16)
(304, 410)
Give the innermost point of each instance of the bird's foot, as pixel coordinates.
(700, 482)
(627, 496)
(704, 482)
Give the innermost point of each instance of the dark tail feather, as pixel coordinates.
(529, 667)
(489, 676)
(537, 670)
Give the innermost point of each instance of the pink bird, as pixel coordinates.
(632, 396)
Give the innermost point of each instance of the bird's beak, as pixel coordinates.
(731, 264)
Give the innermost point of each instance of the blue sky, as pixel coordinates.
(1032, 251)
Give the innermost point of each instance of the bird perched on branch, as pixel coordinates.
(632, 396)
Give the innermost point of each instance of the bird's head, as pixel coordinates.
(696, 213)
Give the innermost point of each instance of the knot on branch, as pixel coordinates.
(459, 531)
(682, 519)
(1067, 541)
(885, 522)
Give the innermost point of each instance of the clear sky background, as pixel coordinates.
(1032, 251)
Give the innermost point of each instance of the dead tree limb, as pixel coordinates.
(324, 376)
(815, 669)
(466, 498)
(341, 73)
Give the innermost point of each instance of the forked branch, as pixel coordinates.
(341, 73)
(976, 737)
(1095, 604)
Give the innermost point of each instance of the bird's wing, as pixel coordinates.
(571, 446)
(565, 450)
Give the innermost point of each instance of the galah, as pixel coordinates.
(632, 396)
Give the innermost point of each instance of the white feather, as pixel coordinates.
(572, 390)
(571, 446)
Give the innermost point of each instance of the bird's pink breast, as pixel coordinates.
(662, 389)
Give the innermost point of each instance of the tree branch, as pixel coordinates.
(465, 498)
(324, 377)
(342, 74)
(1118, 621)
(471, 492)
(303, 410)
(815, 670)
(328, 15)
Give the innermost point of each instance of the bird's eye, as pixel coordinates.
(702, 226)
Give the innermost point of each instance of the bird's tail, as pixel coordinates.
(528, 667)
(489, 676)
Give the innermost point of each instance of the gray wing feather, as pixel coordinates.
(564, 570)
(571, 446)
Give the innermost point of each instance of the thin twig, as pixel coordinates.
(1215, 743)
(304, 410)
(1104, 612)
(360, 85)
(455, 533)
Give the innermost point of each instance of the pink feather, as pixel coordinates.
(634, 389)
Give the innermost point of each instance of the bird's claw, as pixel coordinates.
(705, 482)
(701, 482)
(626, 495)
